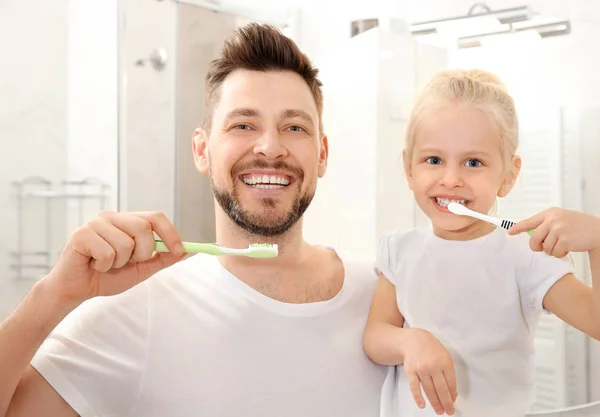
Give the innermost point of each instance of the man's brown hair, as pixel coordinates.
(259, 47)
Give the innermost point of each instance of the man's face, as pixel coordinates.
(264, 152)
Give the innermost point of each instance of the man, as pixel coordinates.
(208, 336)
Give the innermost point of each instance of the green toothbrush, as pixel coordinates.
(256, 250)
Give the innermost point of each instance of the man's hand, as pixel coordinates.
(112, 253)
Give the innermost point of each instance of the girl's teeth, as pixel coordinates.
(445, 201)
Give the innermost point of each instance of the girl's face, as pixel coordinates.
(457, 158)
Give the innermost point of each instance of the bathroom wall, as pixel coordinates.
(200, 36)
(147, 159)
(58, 95)
(33, 125)
(93, 77)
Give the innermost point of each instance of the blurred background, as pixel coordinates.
(98, 101)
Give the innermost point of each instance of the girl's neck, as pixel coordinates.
(475, 230)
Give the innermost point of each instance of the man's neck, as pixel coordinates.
(300, 273)
(292, 249)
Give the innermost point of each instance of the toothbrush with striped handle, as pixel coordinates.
(464, 211)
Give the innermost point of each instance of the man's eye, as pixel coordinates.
(296, 129)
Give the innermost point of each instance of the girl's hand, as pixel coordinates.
(559, 231)
(428, 364)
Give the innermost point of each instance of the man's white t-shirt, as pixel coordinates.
(196, 341)
(481, 299)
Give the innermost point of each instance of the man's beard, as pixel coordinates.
(265, 223)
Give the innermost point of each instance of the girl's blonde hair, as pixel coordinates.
(470, 88)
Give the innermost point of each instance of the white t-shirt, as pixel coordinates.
(481, 299)
(196, 341)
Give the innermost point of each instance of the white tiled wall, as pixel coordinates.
(33, 120)
(92, 104)
(58, 101)
(148, 146)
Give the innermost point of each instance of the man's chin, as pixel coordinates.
(270, 219)
(267, 228)
(264, 216)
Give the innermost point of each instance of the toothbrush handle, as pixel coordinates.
(507, 224)
(190, 247)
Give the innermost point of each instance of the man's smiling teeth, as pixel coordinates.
(266, 181)
(445, 201)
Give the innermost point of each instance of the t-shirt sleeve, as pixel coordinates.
(541, 273)
(386, 256)
(96, 356)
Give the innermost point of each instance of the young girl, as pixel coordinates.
(457, 304)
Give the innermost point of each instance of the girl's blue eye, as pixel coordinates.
(473, 163)
(434, 160)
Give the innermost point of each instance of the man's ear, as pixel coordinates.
(511, 177)
(200, 150)
(407, 168)
(323, 156)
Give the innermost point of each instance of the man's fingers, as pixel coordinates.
(140, 229)
(121, 243)
(158, 262)
(99, 250)
(165, 231)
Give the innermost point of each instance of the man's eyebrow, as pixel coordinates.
(293, 113)
(286, 114)
(242, 112)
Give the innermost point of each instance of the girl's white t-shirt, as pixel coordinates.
(481, 299)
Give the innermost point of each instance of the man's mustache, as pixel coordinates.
(262, 164)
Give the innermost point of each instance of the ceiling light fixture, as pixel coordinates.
(481, 22)
(545, 30)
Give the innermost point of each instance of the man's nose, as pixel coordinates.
(270, 145)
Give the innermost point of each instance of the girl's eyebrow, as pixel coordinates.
(475, 152)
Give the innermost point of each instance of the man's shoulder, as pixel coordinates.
(358, 265)
(196, 263)
(197, 269)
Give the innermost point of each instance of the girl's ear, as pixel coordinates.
(511, 177)
(407, 168)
